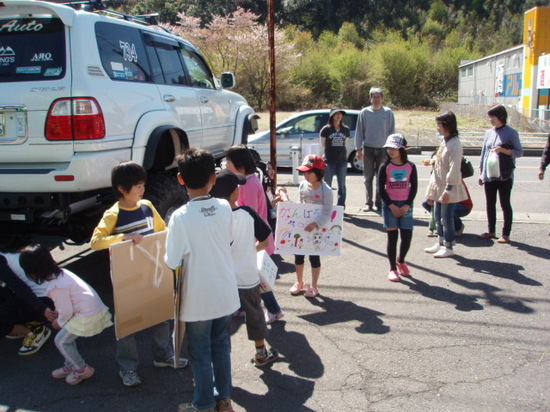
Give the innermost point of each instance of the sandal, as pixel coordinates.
(487, 235)
(297, 288)
(311, 292)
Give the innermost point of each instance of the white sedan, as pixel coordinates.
(301, 132)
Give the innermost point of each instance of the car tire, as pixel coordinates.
(166, 194)
(355, 163)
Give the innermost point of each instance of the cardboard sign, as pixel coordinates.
(268, 271)
(143, 286)
(291, 237)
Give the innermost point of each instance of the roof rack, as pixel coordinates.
(97, 6)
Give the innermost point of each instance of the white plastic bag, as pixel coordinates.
(492, 167)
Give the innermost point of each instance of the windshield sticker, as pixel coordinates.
(7, 56)
(28, 70)
(16, 26)
(118, 70)
(128, 51)
(53, 71)
(42, 57)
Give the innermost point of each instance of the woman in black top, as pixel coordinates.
(333, 140)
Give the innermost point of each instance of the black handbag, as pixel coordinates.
(466, 168)
(506, 163)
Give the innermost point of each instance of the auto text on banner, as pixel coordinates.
(291, 237)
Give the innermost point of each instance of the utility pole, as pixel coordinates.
(272, 92)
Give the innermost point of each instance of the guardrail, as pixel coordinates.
(528, 140)
(472, 142)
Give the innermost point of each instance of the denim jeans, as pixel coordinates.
(210, 360)
(372, 160)
(444, 218)
(270, 302)
(339, 169)
(66, 343)
(460, 211)
(127, 350)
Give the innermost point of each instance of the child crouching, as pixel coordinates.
(81, 311)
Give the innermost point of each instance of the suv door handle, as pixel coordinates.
(168, 98)
(204, 99)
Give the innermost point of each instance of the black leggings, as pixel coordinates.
(313, 259)
(504, 189)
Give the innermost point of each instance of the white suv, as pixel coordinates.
(84, 90)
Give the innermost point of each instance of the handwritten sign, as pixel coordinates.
(291, 237)
(143, 286)
(268, 271)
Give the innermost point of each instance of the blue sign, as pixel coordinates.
(512, 85)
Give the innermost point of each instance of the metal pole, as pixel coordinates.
(272, 93)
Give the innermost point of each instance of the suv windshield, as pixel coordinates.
(32, 49)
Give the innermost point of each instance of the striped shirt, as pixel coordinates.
(118, 221)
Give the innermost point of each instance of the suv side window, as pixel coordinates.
(165, 60)
(198, 70)
(122, 52)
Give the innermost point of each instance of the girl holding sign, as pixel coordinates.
(398, 181)
(313, 190)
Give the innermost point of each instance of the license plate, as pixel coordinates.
(13, 124)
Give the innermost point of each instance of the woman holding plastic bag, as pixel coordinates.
(500, 149)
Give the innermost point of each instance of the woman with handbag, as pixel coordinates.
(500, 149)
(446, 187)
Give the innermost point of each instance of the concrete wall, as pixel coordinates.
(493, 79)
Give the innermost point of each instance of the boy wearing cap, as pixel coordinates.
(312, 190)
(398, 183)
(200, 235)
(250, 236)
(333, 141)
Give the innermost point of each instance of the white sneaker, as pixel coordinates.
(434, 248)
(444, 252)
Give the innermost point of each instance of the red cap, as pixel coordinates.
(312, 162)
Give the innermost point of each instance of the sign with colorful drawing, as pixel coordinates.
(291, 237)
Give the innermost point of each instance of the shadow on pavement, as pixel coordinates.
(339, 311)
(462, 302)
(294, 349)
(283, 267)
(466, 302)
(502, 270)
(284, 393)
(532, 250)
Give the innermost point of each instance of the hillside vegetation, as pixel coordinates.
(331, 52)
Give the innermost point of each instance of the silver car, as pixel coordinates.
(300, 131)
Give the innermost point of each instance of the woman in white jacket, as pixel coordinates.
(446, 189)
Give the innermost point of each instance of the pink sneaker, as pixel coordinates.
(403, 269)
(75, 377)
(311, 292)
(297, 288)
(393, 276)
(61, 373)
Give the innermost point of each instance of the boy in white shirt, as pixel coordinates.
(251, 235)
(199, 234)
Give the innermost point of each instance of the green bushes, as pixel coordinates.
(334, 69)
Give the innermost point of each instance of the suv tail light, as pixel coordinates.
(75, 119)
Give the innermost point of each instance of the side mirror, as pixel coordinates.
(228, 80)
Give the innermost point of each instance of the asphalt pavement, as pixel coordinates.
(468, 333)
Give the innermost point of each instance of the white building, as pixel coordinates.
(492, 79)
